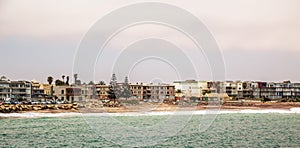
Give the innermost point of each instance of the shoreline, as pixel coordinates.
(198, 110)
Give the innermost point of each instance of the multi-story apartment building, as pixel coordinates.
(271, 90)
(68, 93)
(231, 88)
(190, 88)
(137, 91)
(5, 91)
(102, 91)
(159, 92)
(14, 90)
(48, 89)
(154, 92)
(20, 90)
(37, 91)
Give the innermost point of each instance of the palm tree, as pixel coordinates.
(75, 78)
(102, 83)
(67, 81)
(63, 77)
(50, 79)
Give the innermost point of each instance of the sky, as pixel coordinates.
(258, 39)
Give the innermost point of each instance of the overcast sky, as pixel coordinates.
(259, 39)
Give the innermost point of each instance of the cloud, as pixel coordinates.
(248, 24)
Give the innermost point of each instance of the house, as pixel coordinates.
(5, 91)
(190, 88)
(102, 91)
(68, 93)
(20, 90)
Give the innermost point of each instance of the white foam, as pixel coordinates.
(155, 113)
(295, 110)
(37, 115)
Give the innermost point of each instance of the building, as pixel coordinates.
(20, 90)
(190, 88)
(48, 89)
(37, 91)
(5, 91)
(152, 92)
(231, 89)
(14, 90)
(137, 91)
(68, 93)
(102, 91)
(89, 92)
(160, 92)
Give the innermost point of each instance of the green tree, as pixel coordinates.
(75, 78)
(91, 83)
(112, 88)
(101, 83)
(63, 78)
(178, 91)
(67, 81)
(126, 93)
(59, 82)
(50, 79)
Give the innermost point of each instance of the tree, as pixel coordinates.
(178, 91)
(50, 79)
(91, 83)
(75, 78)
(112, 88)
(78, 82)
(63, 78)
(59, 82)
(102, 83)
(67, 81)
(3, 78)
(126, 93)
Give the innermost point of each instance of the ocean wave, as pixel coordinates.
(158, 113)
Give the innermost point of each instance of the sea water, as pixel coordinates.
(239, 129)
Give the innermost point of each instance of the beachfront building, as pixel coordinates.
(37, 91)
(14, 90)
(5, 91)
(152, 92)
(102, 91)
(231, 89)
(160, 92)
(137, 90)
(20, 90)
(68, 93)
(88, 92)
(48, 89)
(190, 88)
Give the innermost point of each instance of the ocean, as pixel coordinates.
(163, 130)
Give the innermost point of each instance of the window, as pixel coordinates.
(62, 91)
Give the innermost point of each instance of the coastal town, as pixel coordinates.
(111, 94)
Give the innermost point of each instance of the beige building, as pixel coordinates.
(68, 93)
(102, 91)
(153, 92)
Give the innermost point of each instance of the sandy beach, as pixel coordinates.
(164, 109)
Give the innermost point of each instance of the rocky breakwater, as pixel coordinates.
(9, 108)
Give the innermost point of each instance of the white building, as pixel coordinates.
(190, 88)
